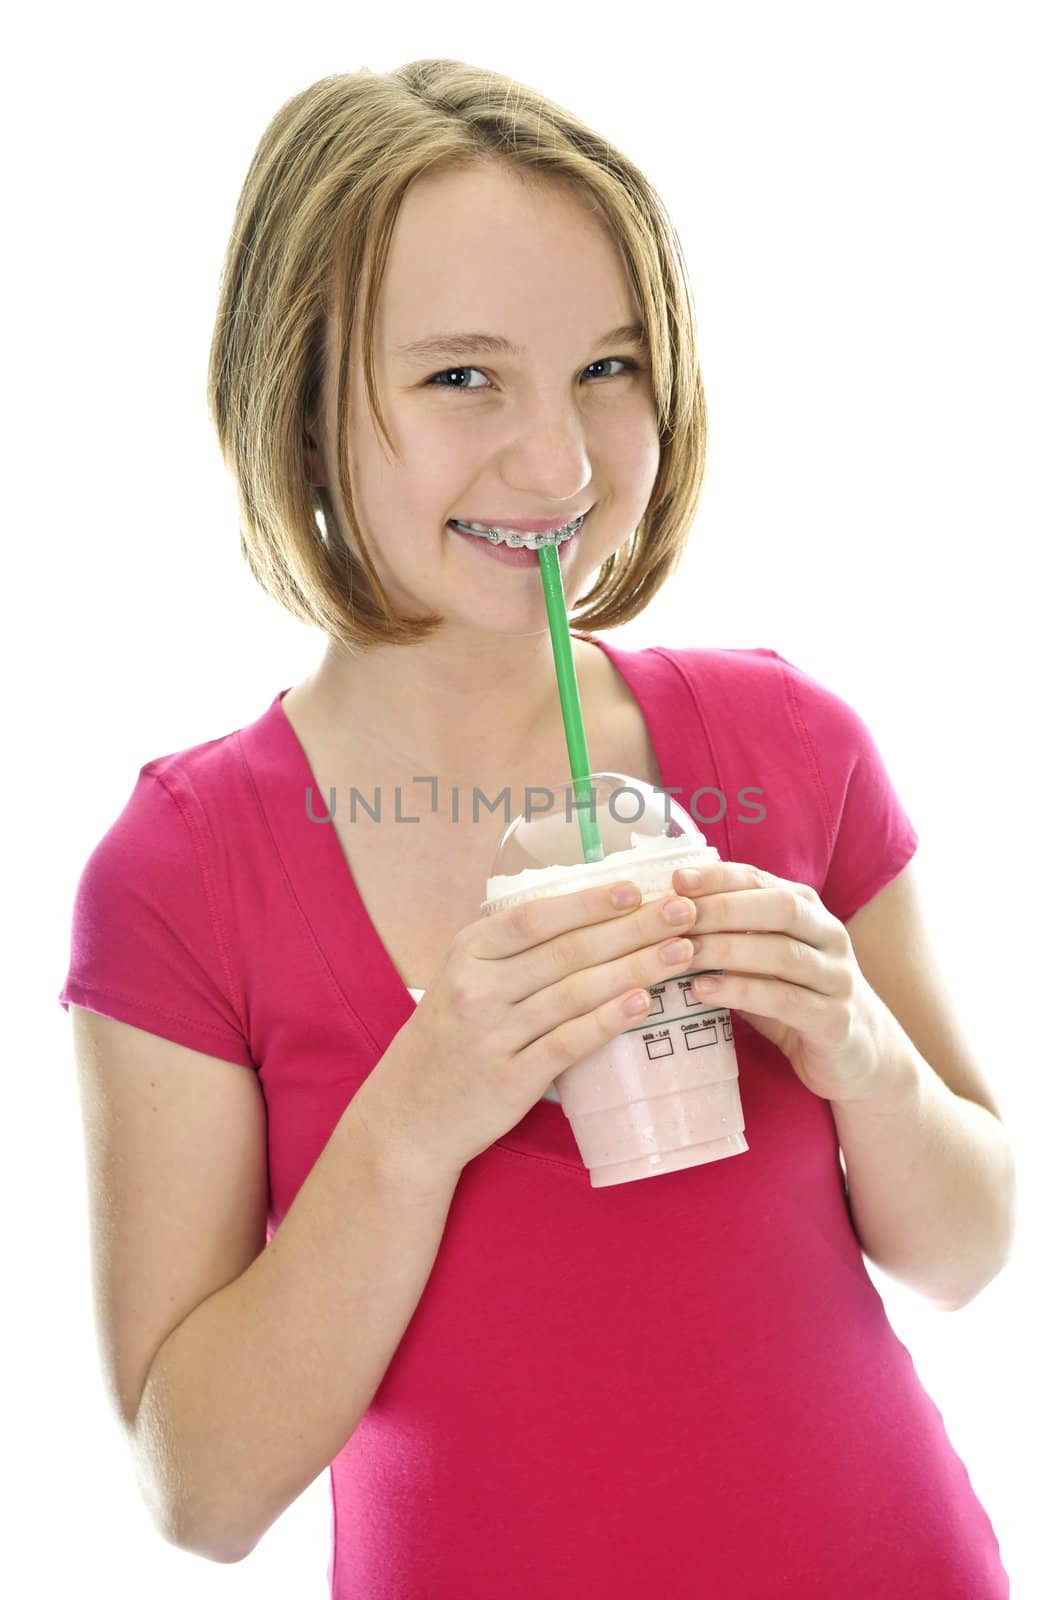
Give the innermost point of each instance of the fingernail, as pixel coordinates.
(689, 878)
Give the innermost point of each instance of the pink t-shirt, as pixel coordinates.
(683, 1386)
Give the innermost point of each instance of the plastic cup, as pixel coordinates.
(662, 1095)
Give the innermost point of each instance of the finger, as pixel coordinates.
(772, 955)
(582, 992)
(564, 939)
(507, 932)
(720, 877)
(553, 1049)
(798, 1008)
(781, 909)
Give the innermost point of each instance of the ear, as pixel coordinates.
(312, 463)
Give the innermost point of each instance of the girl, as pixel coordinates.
(340, 1219)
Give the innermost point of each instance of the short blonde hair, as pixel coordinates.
(319, 204)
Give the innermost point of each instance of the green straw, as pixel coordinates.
(568, 689)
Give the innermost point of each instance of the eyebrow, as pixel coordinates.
(437, 346)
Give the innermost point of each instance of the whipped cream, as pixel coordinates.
(649, 862)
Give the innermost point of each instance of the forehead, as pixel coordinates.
(530, 262)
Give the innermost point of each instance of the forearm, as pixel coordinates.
(259, 1388)
(931, 1181)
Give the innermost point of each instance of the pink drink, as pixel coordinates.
(664, 1094)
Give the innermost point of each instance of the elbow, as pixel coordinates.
(208, 1545)
(1001, 1262)
(179, 1514)
(1006, 1235)
(960, 1304)
(213, 1552)
(187, 1533)
(952, 1305)
(215, 1532)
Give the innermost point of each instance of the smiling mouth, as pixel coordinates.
(520, 541)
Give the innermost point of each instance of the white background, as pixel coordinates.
(868, 202)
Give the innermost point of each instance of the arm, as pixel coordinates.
(258, 1389)
(931, 1181)
(932, 1187)
(930, 1172)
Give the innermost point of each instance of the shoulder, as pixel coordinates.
(751, 691)
(759, 679)
(752, 668)
(166, 828)
(150, 932)
(703, 667)
(805, 736)
(757, 666)
(163, 853)
(195, 769)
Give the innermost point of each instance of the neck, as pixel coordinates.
(461, 714)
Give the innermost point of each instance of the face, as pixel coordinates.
(568, 423)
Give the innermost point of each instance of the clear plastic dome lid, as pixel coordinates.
(635, 822)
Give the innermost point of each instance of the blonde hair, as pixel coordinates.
(318, 205)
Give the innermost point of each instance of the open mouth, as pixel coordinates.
(525, 554)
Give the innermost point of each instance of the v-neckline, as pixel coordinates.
(324, 887)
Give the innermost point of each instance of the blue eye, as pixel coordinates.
(622, 361)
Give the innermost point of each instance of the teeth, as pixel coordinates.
(516, 541)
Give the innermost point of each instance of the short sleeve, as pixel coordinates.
(147, 942)
(871, 837)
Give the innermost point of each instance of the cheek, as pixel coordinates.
(631, 437)
(633, 464)
(439, 459)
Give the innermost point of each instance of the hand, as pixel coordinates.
(519, 997)
(793, 963)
